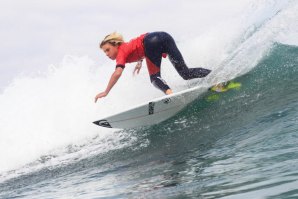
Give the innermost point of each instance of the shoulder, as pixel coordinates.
(123, 52)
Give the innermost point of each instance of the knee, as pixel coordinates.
(185, 77)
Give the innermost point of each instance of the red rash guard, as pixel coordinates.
(131, 51)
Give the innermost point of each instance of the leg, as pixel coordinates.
(153, 52)
(159, 83)
(153, 45)
(178, 61)
(191, 73)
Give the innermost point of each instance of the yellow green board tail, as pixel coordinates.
(225, 86)
(222, 87)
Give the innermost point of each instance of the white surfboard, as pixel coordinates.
(152, 112)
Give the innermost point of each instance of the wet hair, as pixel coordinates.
(115, 39)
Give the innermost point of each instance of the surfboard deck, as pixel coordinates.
(156, 110)
(152, 112)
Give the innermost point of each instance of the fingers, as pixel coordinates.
(100, 95)
(136, 70)
(137, 67)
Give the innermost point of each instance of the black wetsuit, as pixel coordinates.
(158, 43)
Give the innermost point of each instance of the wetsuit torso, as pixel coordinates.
(131, 51)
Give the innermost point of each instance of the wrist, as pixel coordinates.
(106, 92)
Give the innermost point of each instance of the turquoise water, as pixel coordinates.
(243, 145)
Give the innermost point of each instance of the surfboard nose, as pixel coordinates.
(103, 123)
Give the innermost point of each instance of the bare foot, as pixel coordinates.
(169, 91)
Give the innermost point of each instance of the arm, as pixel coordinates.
(114, 78)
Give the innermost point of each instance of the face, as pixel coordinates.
(110, 50)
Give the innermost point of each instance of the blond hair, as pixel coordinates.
(113, 38)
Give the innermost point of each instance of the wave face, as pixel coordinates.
(241, 145)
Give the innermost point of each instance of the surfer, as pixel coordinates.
(151, 47)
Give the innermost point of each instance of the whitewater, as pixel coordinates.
(244, 145)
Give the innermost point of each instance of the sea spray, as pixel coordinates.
(55, 109)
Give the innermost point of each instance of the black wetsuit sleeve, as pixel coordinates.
(121, 66)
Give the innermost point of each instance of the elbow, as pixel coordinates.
(117, 74)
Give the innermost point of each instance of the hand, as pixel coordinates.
(100, 95)
(137, 68)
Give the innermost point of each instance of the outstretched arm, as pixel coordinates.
(114, 78)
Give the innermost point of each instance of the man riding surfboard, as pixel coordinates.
(151, 47)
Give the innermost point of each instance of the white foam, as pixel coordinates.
(57, 108)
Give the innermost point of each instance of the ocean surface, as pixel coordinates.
(240, 144)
